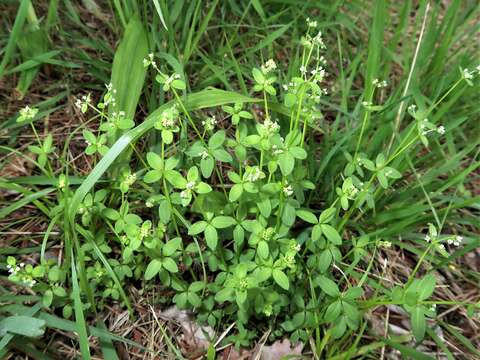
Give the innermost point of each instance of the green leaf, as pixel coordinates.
(128, 72)
(426, 287)
(307, 216)
(206, 166)
(176, 179)
(280, 278)
(286, 162)
(262, 249)
(221, 222)
(331, 234)
(22, 325)
(179, 84)
(170, 265)
(216, 140)
(325, 260)
(222, 155)
(152, 176)
(235, 192)
(197, 228)
(392, 173)
(382, 179)
(155, 161)
(327, 215)
(171, 246)
(418, 323)
(152, 269)
(47, 298)
(288, 216)
(203, 188)
(258, 76)
(211, 237)
(316, 232)
(167, 136)
(333, 311)
(224, 294)
(328, 286)
(290, 99)
(298, 152)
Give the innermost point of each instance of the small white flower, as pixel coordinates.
(311, 23)
(28, 113)
(130, 179)
(209, 123)
(269, 66)
(190, 185)
(379, 84)
(385, 244)
(441, 130)
(427, 238)
(253, 174)
(276, 150)
(204, 154)
(270, 127)
(303, 69)
(319, 40)
(467, 74)
(287, 189)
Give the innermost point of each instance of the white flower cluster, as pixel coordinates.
(269, 66)
(83, 103)
(168, 117)
(253, 174)
(149, 61)
(270, 127)
(171, 78)
(424, 127)
(276, 150)
(308, 41)
(204, 154)
(209, 123)
(456, 241)
(379, 84)
(287, 189)
(467, 74)
(28, 113)
(109, 97)
(311, 23)
(130, 179)
(385, 244)
(15, 269)
(188, 190)
(144, 232)
(294, 246)
(268, 234)
(289, 260)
